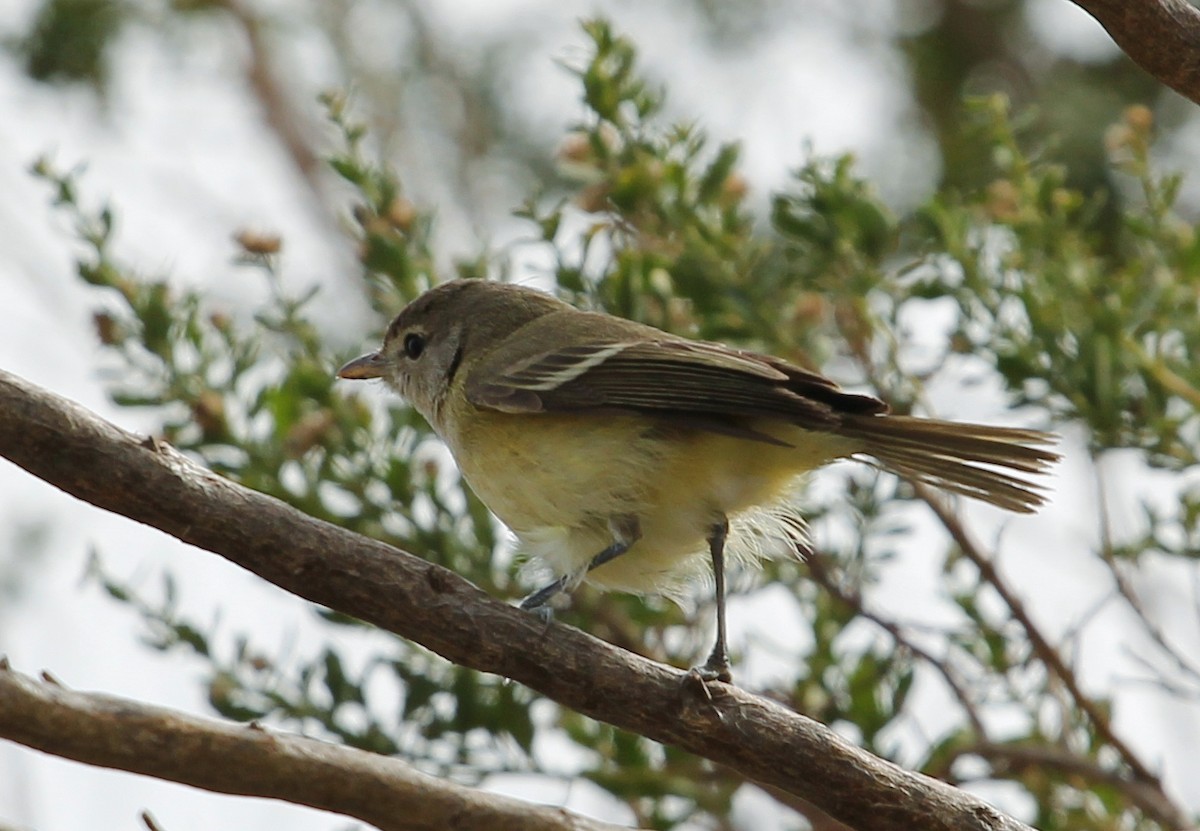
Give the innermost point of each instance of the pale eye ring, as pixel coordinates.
(414, 345)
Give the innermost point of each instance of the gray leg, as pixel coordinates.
(626, 532)
(537, 601)
(716, 668)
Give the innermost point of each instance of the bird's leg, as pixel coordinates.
(537, 601)
(716, 668)
(625, 530)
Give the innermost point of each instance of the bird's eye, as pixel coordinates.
(414, 345)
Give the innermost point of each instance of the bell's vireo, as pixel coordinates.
(623, 454)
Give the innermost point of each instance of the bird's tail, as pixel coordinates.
(970, 459)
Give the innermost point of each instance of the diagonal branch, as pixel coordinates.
(75, 450)
(267, 86)
(1012, 758)
(821, 574)
(1164, 809)
(250, 761)
(1161, 36)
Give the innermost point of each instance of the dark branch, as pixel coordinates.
(72, 448)
(268, 88)
(1161, 36)
(1142, 775)
(1006, 759)
(250, 761)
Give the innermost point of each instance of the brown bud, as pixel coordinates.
(401, 213)
(1003, 202)
(734, 188)
(258, 243)
(208, 411)
(594, 198)
(575, 149)
(307, 433)
(107, 328)
(809, 307)
(376, 225)
(222, 688)
(1139, 118)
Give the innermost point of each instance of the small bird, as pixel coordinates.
(634, 458)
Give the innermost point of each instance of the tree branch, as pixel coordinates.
(250, 761)
(1161, 36)
(1011, 758)
(1165, 811)
(73, 449)
(265, 84)
(819, 570)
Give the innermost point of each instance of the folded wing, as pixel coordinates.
(703, 382)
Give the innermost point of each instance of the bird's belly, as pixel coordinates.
(558, 480)
(548, 471)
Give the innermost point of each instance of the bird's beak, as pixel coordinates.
(368, 366)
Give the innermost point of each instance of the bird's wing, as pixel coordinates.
(706, 384)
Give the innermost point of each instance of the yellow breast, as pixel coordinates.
(556, 480)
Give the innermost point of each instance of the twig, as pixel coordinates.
(1128, 593)
(278, 111)
(855, 601)
(1046, 652)
(1042, 647)
(1012, 758)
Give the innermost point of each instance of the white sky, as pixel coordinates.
(180, 150)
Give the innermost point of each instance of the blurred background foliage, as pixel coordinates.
(1065, 260)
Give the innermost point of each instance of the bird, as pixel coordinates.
(637, 459)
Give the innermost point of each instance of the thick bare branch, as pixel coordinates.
(250, 761)
(1161, 36)
(72, 448)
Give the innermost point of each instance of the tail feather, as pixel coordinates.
(969, 459)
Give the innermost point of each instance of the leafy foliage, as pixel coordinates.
(1075, 320)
